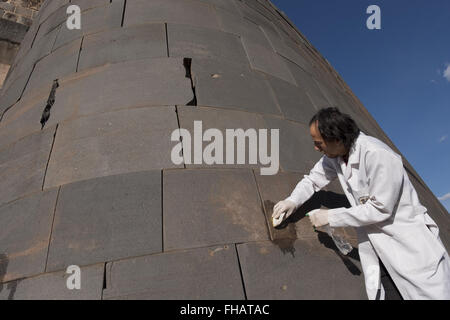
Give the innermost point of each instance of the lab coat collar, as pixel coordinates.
(353, 158)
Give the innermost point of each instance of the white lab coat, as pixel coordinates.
(391, 223)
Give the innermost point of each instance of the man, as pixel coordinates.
(391, 224)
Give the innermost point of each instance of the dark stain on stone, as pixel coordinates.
(283, 235)
(285, 245)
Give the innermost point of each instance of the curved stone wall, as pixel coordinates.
(87, 176)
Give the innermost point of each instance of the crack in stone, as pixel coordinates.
(51, 100)
(187, 63)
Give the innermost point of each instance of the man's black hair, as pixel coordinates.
(336, 126)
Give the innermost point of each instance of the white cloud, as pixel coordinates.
(443, 138)
(446, 72)
(444, 197)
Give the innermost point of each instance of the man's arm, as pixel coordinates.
(319, 176)
(385, 174)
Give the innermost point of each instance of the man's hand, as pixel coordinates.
(318, 217)
(281, 211)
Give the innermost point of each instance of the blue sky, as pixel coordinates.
(399, 72)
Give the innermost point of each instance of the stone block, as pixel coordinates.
(224, 85)
(198, 42)
(106, 219)
(155, 81)
(123, 44)
(170, 11)
(293, 101)
(53, 286)
(25, 235)
(24, 164)
(206, 273)
(112, 143)
(273, 274)
(93, 20)
(207, 207)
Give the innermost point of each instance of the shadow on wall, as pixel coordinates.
(332, 200)
(320, 199)
(11, 286)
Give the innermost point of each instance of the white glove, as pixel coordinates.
(281, 211)
(318, 217)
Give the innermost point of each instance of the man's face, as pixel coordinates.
(331, 149)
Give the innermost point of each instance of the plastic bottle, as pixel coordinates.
(340, 243)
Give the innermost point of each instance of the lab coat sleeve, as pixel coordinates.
(319, 176)
(384, 171)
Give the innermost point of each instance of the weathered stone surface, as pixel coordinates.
(266, 60)
(287, 49)
(24, 65)
(229, 5)
(207, 207)
(293, 101)
(196, 42)
(251, 14)
(157, 82)
(296, 147)
(49, 7)
(289, 27)
(286, 32)
(93, 20)
(222, 120)
(25, 46)
(274, 273)
(330, 92)
(170, 11)
(305, 81)
(53, 286)
(107, 219)
(112, 143)
(205, 273)
(66, 58)
(270, 9)
(89, 4)
(123, 44)
(23, 165)
(229, 86)
(21, 120)
(10, 95)
(24, 236)
(233, 23)
(55, 19)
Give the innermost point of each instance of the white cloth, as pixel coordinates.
(391, 223)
